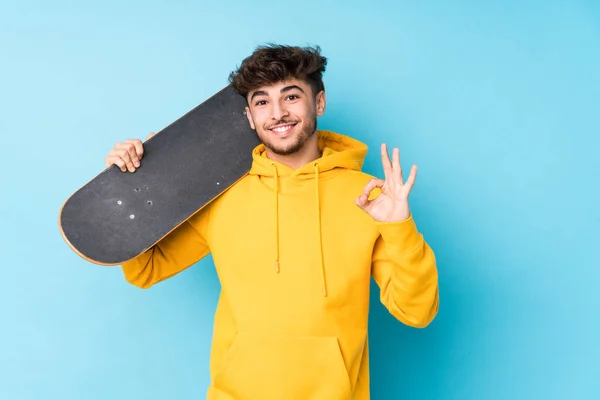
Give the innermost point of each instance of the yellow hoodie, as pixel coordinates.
(295, 256)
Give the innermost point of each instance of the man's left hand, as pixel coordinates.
(392, 204)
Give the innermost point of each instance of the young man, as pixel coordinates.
(295, 244)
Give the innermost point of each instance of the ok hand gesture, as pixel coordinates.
(392, 204)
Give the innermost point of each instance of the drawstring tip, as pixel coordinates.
(277, 266)
(324, 291)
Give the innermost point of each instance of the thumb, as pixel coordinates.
(362, 201)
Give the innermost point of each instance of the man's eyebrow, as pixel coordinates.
(288, 88)
(285, 89)
(258, 93)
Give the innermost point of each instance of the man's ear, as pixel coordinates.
(249, 116)
(321, 103)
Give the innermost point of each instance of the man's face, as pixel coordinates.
(284, 115)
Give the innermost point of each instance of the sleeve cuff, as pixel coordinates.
(400, 237)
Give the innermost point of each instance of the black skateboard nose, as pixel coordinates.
(119, 215)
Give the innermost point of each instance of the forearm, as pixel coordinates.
(405, 268)
(177, 251)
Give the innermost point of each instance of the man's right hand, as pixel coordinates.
(126, 155)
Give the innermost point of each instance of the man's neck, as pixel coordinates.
(309, 153)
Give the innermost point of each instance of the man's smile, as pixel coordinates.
(283, 129)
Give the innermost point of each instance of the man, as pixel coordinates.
(295, 244)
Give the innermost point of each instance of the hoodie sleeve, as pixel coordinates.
(405, 269)
(183, 247)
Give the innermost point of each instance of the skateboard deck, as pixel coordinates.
(118, 215)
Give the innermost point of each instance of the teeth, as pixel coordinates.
(281, 129)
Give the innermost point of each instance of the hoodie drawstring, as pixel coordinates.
(276, 219)
(319, 234)
(324, 281)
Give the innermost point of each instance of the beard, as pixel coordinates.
(296, 143)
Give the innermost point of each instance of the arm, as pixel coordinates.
(403, 265)
(180, 249)
(404, 268)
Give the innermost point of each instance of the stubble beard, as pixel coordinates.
(299, 141)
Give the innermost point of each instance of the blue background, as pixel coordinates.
(498, 104)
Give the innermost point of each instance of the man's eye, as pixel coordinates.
(292, 97)
(260, 103)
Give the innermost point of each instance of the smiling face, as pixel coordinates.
(284, 116)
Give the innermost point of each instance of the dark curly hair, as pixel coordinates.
(273, 63)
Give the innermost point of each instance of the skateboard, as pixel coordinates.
(117, 215)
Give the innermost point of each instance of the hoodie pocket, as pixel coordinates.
(265, 368)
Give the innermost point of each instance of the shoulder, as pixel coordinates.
(228, 193)
(235, 194)
(357, 180)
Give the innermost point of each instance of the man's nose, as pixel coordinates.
(278, 111)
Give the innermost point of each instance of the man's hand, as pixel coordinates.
(126, 155)
(392, 204)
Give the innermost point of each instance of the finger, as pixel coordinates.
(411, 178)
(110, 160)
(362, 201)
(396, 165)
(385, 162)
(139, 147)
(131, 152)
(150, 135)
(372, 184)
(124, 155)
(132, 149)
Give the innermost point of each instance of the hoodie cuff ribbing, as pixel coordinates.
(400, 237)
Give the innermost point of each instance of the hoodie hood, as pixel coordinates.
(337, 152)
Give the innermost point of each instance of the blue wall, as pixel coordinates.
(499, 105)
